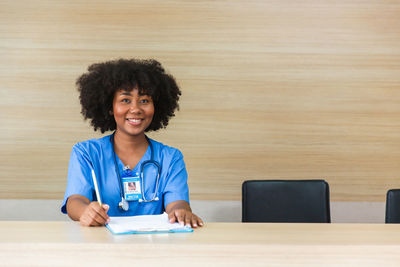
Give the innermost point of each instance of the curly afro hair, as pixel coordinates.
(98, 86)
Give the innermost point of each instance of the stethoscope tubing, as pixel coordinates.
(124, 205)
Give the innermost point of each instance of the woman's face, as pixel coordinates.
(133, 113)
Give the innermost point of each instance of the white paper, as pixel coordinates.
(143, 223)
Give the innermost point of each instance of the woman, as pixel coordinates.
(129, 97)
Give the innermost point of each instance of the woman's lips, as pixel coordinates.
(134, 122)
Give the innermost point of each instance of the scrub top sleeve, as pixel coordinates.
(79, 180)
(176, 187)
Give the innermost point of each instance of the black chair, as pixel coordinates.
(393, 206)
(286, 201)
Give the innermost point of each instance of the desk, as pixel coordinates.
(216, 244)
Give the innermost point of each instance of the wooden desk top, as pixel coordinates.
(216, 244)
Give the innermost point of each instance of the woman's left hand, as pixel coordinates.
(180, 211)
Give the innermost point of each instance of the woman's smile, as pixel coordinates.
(133, 112)
(134, 122)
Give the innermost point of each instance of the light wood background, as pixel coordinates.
(271, 89)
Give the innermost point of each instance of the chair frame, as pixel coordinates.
(391, 207)
(327, 195)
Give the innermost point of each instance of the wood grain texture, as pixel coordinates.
(216, 244)
(271, 89)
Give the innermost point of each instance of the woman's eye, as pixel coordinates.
(125, 100)
(145, 100)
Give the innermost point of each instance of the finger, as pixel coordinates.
(86, 220)
(95, 223)
(99, 218)
(98, 215)
(100, 210)
(105, 207)
(200, 221)
(194, 221)
(91, 216)
(188, 219)
(180, 216)
(171, 217)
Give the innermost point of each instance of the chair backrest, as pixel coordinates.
(285, 201)
(393, 206)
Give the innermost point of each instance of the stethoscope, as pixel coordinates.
(124, 204)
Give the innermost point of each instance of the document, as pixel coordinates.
(145, 224)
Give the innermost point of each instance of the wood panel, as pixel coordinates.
(271, 89)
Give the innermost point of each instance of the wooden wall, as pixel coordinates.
(271, 89)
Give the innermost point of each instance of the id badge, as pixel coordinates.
(132, 190)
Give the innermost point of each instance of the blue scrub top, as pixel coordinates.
(97, 154)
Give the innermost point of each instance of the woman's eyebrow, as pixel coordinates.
(125, 93)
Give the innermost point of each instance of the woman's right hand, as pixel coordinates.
(94, 215)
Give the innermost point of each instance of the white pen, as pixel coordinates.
(96, 188)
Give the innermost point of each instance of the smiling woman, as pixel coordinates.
(133, 112)
(129, 97)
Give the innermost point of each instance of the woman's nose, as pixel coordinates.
(134, 108)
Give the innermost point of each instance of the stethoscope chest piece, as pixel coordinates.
(123, 204)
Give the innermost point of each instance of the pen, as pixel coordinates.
(96, 188)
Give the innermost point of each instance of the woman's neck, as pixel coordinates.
(124, 143)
